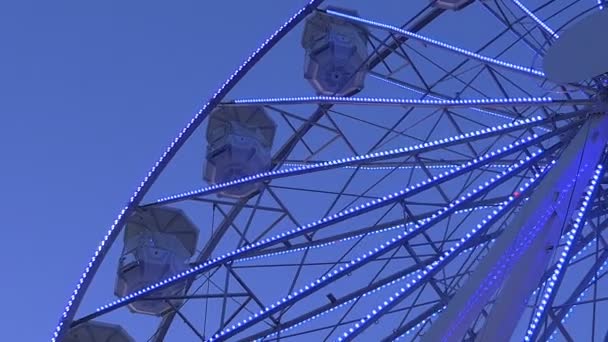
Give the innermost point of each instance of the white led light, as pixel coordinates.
(440, 44)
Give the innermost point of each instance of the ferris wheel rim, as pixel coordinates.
(74, 301)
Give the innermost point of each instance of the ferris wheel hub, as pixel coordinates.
(579, 54)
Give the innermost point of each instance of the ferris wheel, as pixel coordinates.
(431, 172)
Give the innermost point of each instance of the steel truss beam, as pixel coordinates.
(454, 206)
(560, 311)
(430, 272)
(376, 58)
(586, 148)
(347, 214)
(377, 156)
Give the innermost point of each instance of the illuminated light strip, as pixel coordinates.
(388, 229)
(536, 19)
(336, 163)
(565, 257)
(409, 167)
(83, 282)
(563, 238)
(378, 77)
(533, 293)
(578, 254)
(384, 230)
(578, 299)
(522, 242)
(367, 294)
(600, 4)
(409, 331)
(383, 248)
(399, 31)
(336, 100)
(314, 226)
(435, 266)
(341, 305)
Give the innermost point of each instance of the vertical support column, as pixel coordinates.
(520, 256)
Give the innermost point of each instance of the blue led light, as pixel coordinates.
(522, 242)
(576, 224)
(190, 126)
(582, 295)
(315, 226)
(445, 259)
(403, 102)
(375, 290)
(578, 254)
(395, 242)
(422, 323)
(374, 156)
(536, 19)
(440, 44)
(332, 309)
(291, 167)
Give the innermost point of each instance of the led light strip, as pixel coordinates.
(538, 288)
(578, 254)
(367, 294)
(384, 248)
(438, 43)
(388, 229)
(432, 269)
(321, 314)
(535, 291)
(600, 4)
(578, 299)
(83, 282)
(383, 286)
(335, 100)
(499, 271)
(409, 167)
(409, 331)
(523, 241)
(594, 240)
(536, 19)
(549, 292)
(336, 163)
(340, 216)
(403, 86)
